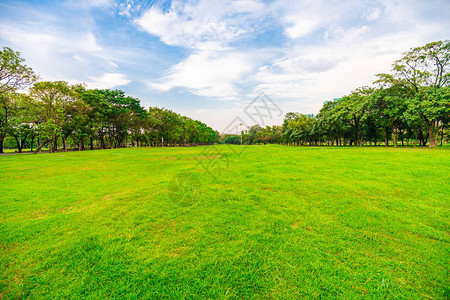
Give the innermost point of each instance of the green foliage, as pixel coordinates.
(233, 139)
(423, 71)
(298, 127)
(14, 74)
(57, 111)
(410, 104)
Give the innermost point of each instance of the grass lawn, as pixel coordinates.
(24, 150)
(208, 222)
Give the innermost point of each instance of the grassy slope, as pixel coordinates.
(272, 222)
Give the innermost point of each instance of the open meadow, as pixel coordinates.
(214, 222)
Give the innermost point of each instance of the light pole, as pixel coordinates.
(240, 124)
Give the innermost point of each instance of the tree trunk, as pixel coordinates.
(2, 138)
(38, 148)
(50, 147)
(91, 144)
(424, 139)
(431, 134)
(3, 134)
(386, 137)
(19, 144)
(32, 142)
(432, 126)
(42, 145)
(64, 143)
(394, 133)
(20, 141)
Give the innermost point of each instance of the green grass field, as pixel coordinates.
(207, 222)
(25, 150)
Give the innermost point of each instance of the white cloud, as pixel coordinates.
(215, 68)
(307, 51)
(193, 24)
(405, 11)
(331, 48)
(209, 73)
(301, 27)
(160, 87)
(309, 75)
(301, 18)
(304, 18)
(248, 6)
(374, 14)
(108, 81)
(86, 4)
(57, 55)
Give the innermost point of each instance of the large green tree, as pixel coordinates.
(14, 74)
(21, 123)
(424, 73)
(352, 108)
(52, 101)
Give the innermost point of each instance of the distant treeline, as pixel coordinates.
(411, 104)
(58, 115)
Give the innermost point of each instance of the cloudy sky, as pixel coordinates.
(209, 58)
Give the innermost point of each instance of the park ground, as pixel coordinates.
(226, 222)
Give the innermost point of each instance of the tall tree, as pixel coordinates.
(423, 71)
(386, 107)
(14, 74)
(52, 100)
(352, 108)
(21, 119)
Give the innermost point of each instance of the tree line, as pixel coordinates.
(410, 104)
(56, 114)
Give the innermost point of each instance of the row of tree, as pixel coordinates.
(57, 114)
(412, 103)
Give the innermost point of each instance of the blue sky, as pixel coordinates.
(208, 59)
